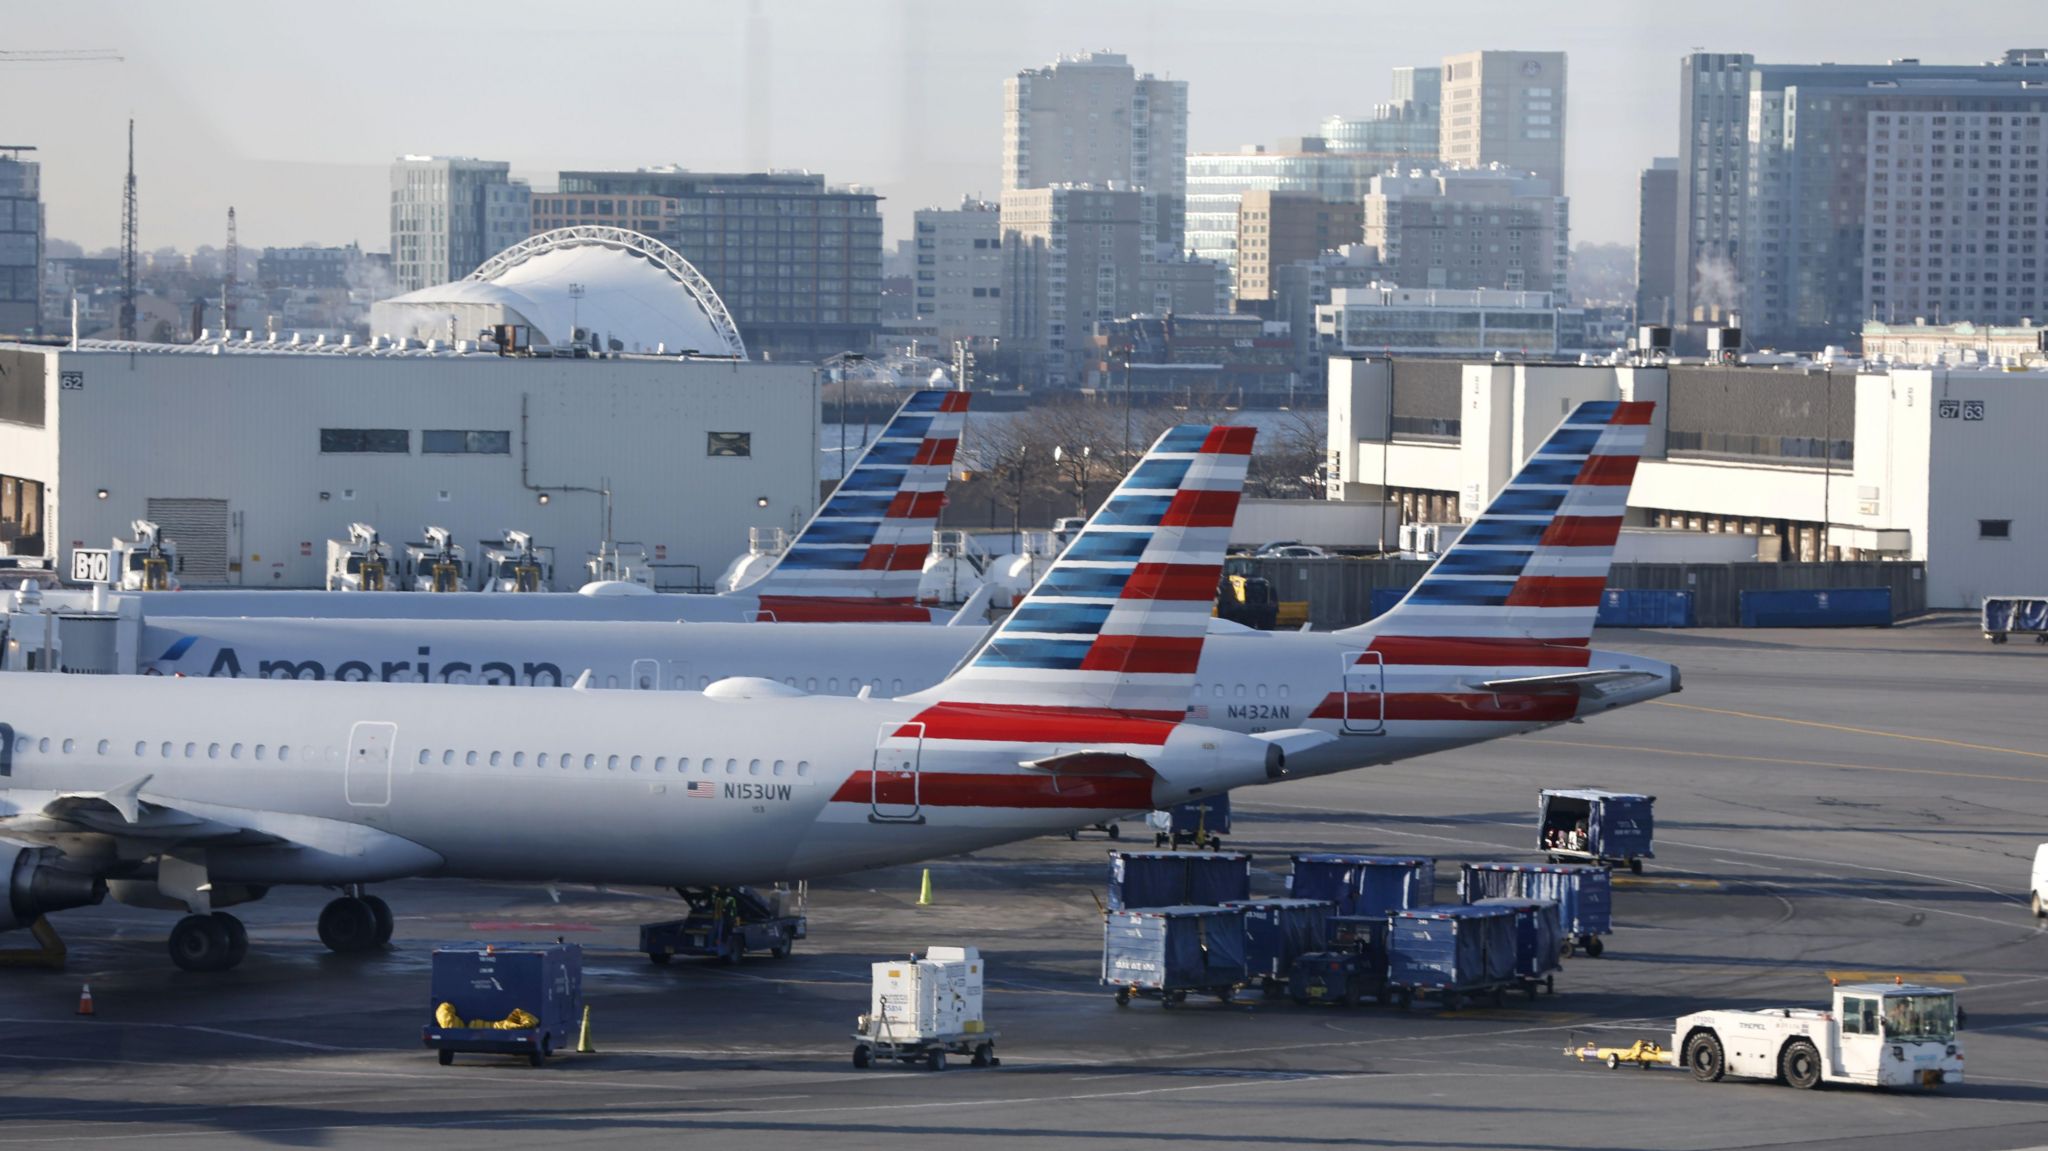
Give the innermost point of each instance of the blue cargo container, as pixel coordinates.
(1165, 953)
(1832, 607)
(1178, 878)
(1584, 895)
(490, 983)
(1365, 884)
(1635, 607)
(1203, 822)
(1598, 826)
(1539, 941)
(1452, 952)
(1277, 931)
(2008, 615)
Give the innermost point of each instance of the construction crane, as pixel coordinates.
(60, 56)
(229, 260)
(128, 243)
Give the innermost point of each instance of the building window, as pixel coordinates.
(729, 444)
(395, 440)
(1994, 529)
(442, 442)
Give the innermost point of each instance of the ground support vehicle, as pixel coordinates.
(921, 1010)
(1198, 822)
(1644, 1053)
(516, 1000)
(2006, 616)
(1584, 895)
(1352, 969)
(1169, 953)
(1537, 943)
(1276, 933)
(725, 923)
(1452, 953)
(1365, 884)
(1878, 1035)
(1585, 823)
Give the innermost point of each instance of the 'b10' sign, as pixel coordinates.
(91, 565)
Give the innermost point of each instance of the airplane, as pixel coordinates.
(197, 794)
(858, 559)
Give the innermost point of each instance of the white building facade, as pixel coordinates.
(1392, 320)
(957, 280)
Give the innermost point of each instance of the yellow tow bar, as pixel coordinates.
(1642, 1053)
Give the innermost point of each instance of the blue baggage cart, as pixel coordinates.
(1178, 878)
(1538, 941)
(1365, 884)
(540, 986)
(1277, 931)
(1201, 822)
(1452, 952)
(2009, 615)
(1167, 953)
(1612, 827)
(1584, 895)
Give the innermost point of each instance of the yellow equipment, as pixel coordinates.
(1642, 1053)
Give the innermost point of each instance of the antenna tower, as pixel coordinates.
(230, 260)
(128, 243)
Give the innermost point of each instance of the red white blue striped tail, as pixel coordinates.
(1534, 564)
(870, 539)
(1113, 630)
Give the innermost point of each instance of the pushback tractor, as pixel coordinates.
(1877, 1035)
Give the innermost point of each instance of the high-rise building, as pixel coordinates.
(1278, 228)
(313, 268)
(797, 262)
(1404, 128)
(957, 280)
(1713, 185)
(449, 214)
(1505, 108)
(1656, 240)
(1092, 119)
(1218, 181)
(21, 243)
(1071, 257)
(1470, 228)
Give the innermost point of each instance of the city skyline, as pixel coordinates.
(296, 122)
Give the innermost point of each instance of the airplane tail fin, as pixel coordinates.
(1114, 628)
(1533, 565)
(870, 539)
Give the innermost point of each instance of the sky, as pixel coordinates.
(292, 113)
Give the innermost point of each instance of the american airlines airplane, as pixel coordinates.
(858, 559)
(198, 794)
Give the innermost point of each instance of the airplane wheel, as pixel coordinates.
(201, 943)
(1115, 832)
(238, 938)
(381, 911)
(348, 924)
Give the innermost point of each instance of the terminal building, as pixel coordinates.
(1927, 464)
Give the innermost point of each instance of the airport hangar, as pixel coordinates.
(1940, 464)
(252, 451)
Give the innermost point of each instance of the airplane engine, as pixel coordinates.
(34, 886)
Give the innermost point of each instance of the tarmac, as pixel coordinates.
(1842, 802)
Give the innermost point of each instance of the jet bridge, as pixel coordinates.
(102, 637)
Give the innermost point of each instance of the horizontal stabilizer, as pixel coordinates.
(1570, 682)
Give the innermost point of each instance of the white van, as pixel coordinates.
(2040, 884)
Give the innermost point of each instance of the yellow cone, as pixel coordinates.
(924, 894)
(583, 1045)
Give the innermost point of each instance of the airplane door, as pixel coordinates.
(1365, 697)
(893, 786)
(646, 675)
(366, 777)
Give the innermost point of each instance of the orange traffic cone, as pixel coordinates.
(85, 999)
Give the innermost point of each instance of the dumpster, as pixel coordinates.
(1594, 825)
(1584, 895)
(1277, 931)
(1178, 878)
(1452, 952)
(504, 1000)
(1833, 607)
(1365, 884)
(1201, 822)
(2010, 615)
(1539, 938)
(1636, 607)
(1166, 953)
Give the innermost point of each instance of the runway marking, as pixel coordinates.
(1943, 978)
(1799, 762)
(98, 1022)
(509, 925)
(1510, 1015)
(1700, 884)
(1852, 730)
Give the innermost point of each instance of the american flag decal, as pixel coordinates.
(1198, 711)
(699, 789)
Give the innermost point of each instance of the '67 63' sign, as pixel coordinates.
(1959, 409)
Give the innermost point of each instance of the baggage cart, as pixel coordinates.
(2009, 615)
(1277, 932)
(1200, 822)
(884, 1046)
(1370, 885)
(1537, 942)
(1584, 895)
(522, 1000)
(1586, 823)
(1169, 953)
(1351, 969)
(1178, 878)
(725, 923)
(1454, 953)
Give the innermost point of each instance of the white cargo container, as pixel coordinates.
(918, 999)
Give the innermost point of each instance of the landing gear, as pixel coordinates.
(208, 942)
(351, 924)
(381, 911)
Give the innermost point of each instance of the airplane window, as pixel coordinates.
(778, 767)
(541, 760)
(469, 759)
(166, 749)
(235, 752)
(284, 752)
(44, 746)
(611, 681)
(1239, 692)
(22, 747)
(754, 767)
(68, 745)
(213, 751)
(646, 683)
(732, 767)
(896, 685)
(589, 762)
(1219, 691)
(803, 767)
(459, 677)
(259, 753)
(1283, 691)
(497, 759)
(703, 681)
(1198, 690)
(634, 765)
(875, 684)
(706, 767)
(191, 749)
(1262, 691)
(661, 763)
(103, 747)
(518, 759)
(448, 757)
(611, 763)
(141, 749)
(811, 684)
(832, 684)
(790, 680)
(424, 753)
(565, 761)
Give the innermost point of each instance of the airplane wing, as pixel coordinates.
(1583, 683)
(1087, 762)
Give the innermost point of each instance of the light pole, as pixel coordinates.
(1061, 455)
(1017, 508)
(575, 310)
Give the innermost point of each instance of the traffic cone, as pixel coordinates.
(583, 1045)
(85, 999)
(924, 894)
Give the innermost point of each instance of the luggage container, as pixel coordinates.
(1277, 932)
(1350, 969)
(1538, 941)
(1452, 952)
(1178, 878)
(1599, 826)
(1584, 896)
(920, 1010)
(2009, 615)
(1201, 822)
(1370, 885)
(516, 1000)
(1168, 953)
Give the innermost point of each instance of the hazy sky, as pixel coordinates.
(291, 112)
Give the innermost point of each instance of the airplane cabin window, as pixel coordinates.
(732, 767)
(103, 747)
(803, 767)
(706, 767)
(1239, 692)
(611, 681)
(778, 767)
(44, 746)
(832, 684)
(141, 749)
(790, 680)
(68, 745)
(754, 767)
(1262, 691)
(634, 764)
(611, 763)
(497, 758)
(589, 762)
(1283, 691)
(22, 747)
(1219, 691)
(424, 753)
(566, 760)
(167, 749)
(259, 753)
(660, 763)
(235, 751)
(191, 749)
(811, 684)
(541, 760)
(284, 752)
(896, 685)
(469, 759)
(448, 757)
(213, 751)
(518, 759)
